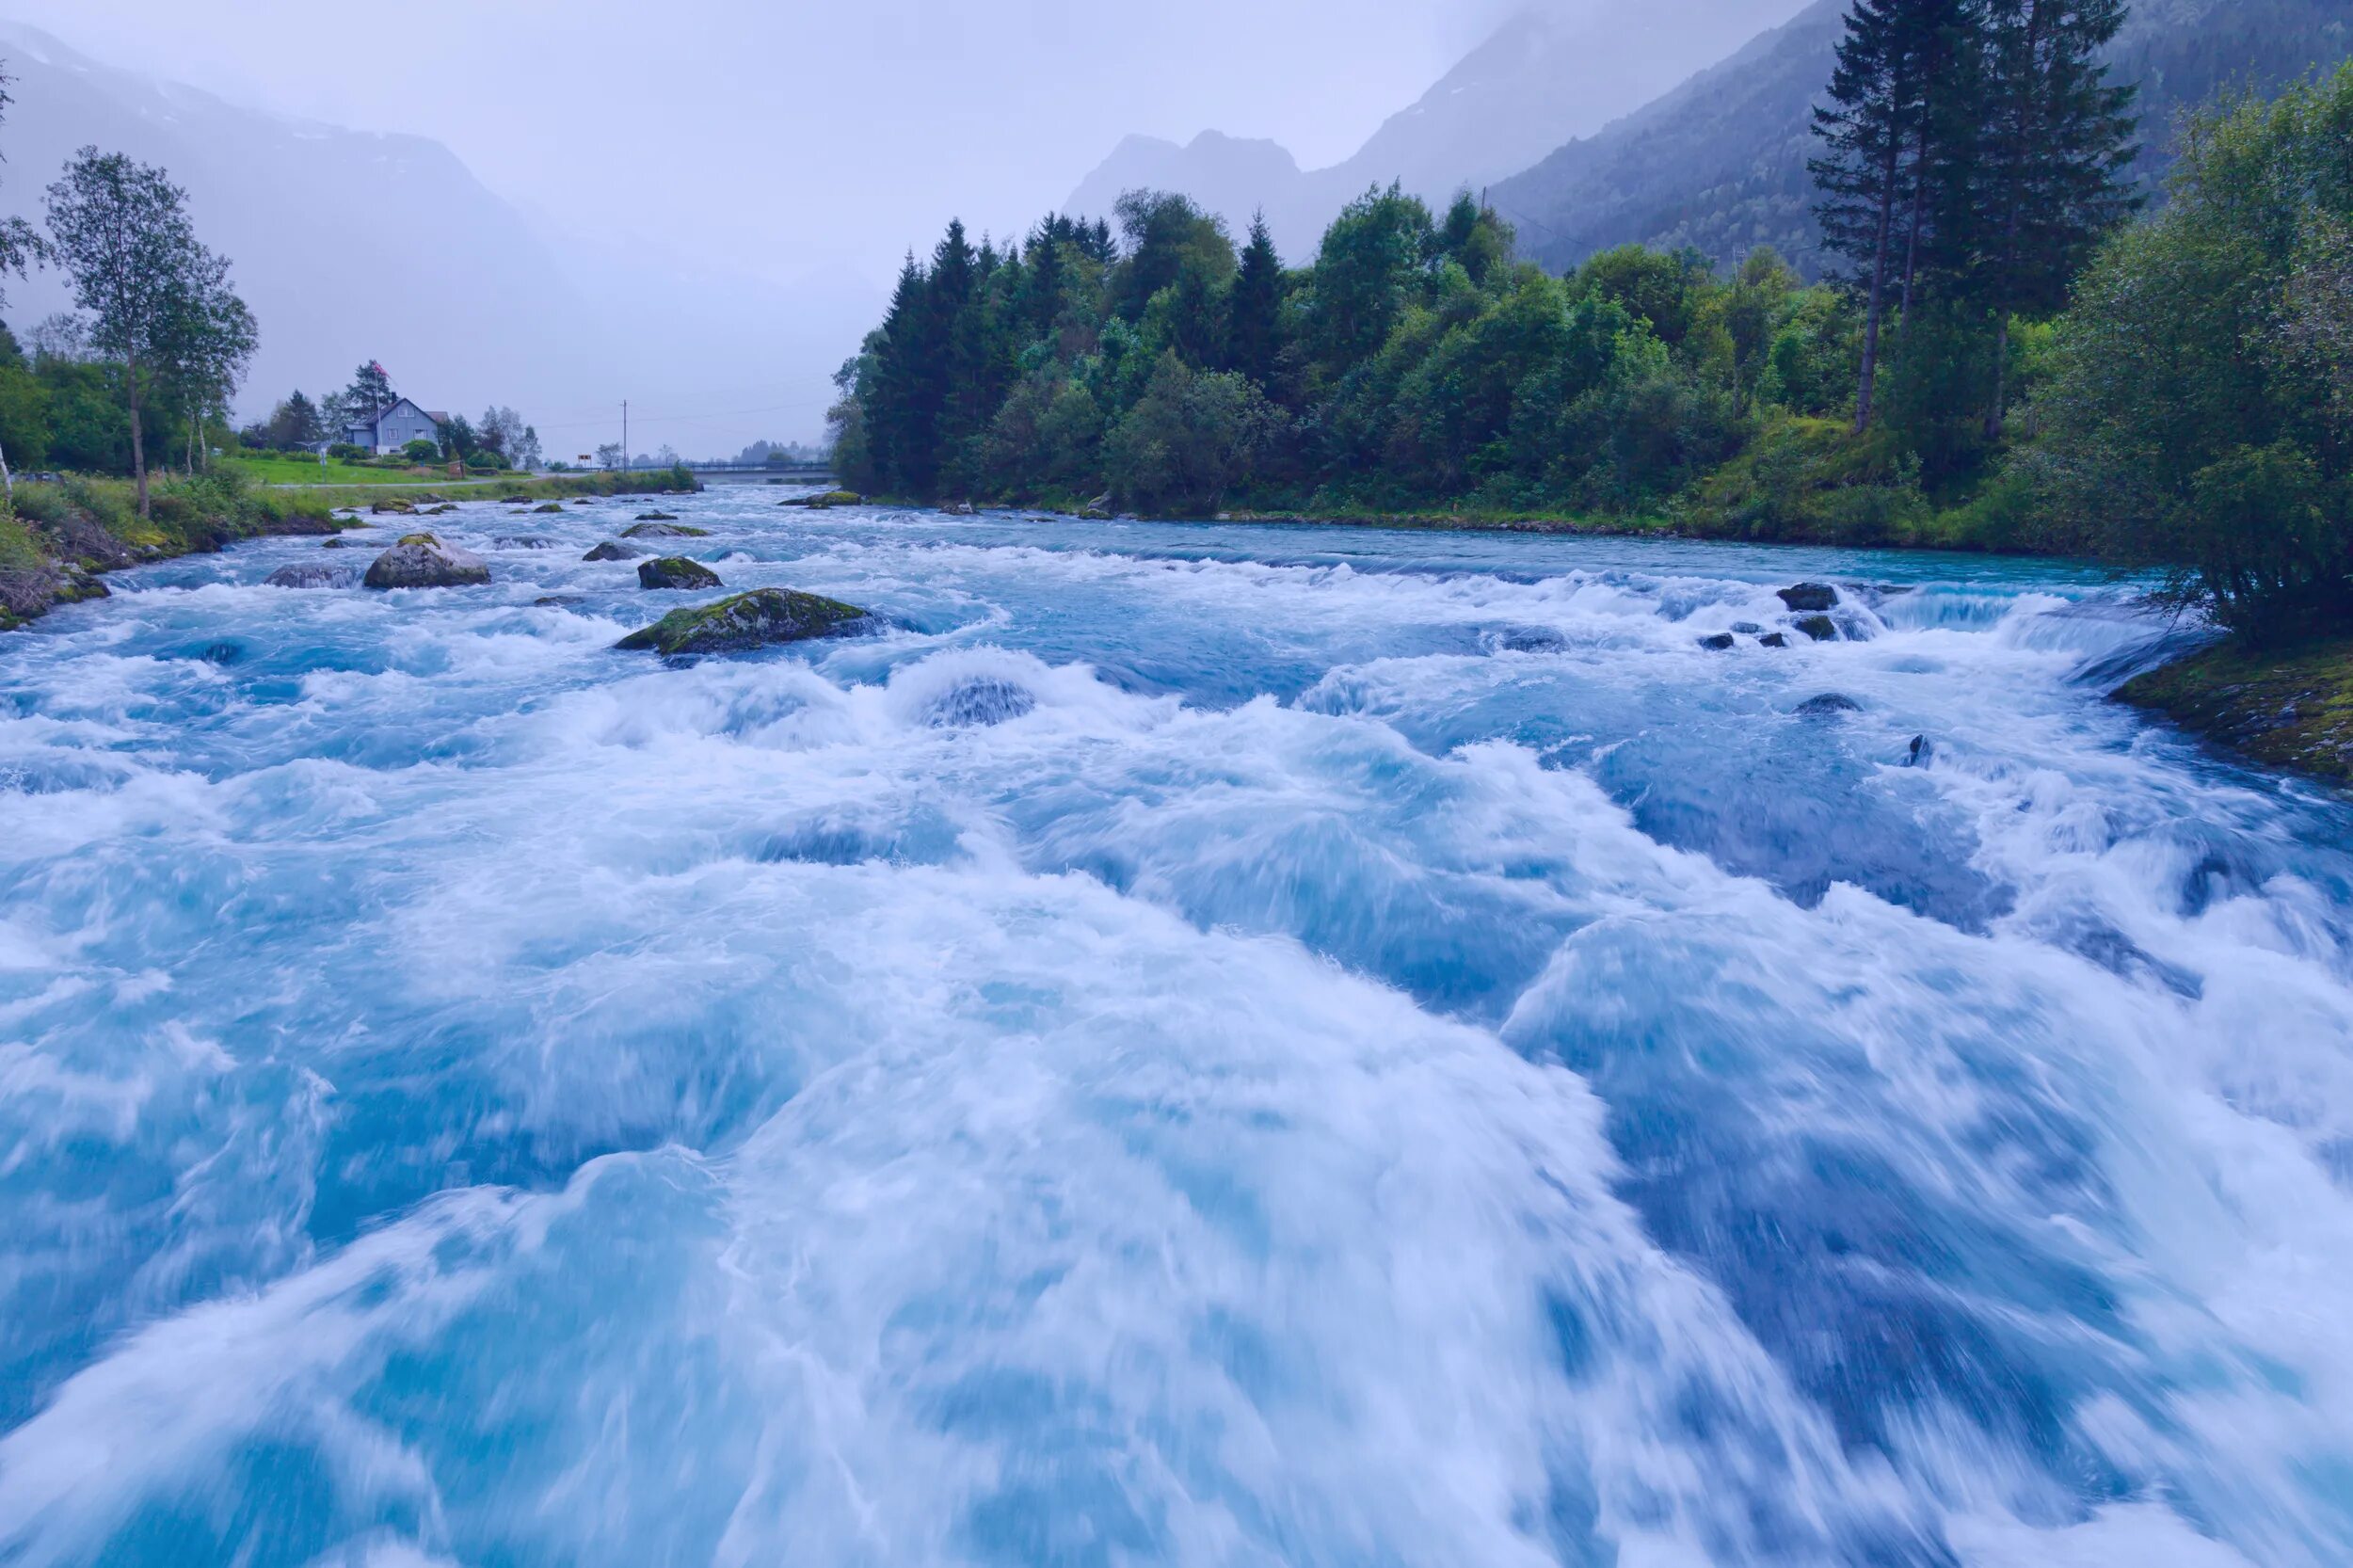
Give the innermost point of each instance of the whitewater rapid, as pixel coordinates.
(1190, 1044)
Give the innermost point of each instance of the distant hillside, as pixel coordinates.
(1547, 75)
(1719, 164)
(347, 244)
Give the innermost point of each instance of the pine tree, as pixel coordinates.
(1254, 321)
(1866, 127)
(2047, 175)
(952, 354)
(889, 401)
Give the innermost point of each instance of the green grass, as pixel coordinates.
(278, 467)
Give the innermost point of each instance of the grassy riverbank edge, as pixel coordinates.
(60, 540)
(2289, 708)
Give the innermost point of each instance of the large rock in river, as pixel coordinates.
(750, 620)
(421, 561)
(1809, 597)
(675, 571)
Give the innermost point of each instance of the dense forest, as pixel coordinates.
(1972, 172)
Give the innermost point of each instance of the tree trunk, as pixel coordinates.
(138, 438)
(1878, 292)
(1919, 206)
(7, 480)
(1993, 416)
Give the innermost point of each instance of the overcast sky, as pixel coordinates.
(887, 114)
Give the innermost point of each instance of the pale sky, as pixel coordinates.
(889, 113)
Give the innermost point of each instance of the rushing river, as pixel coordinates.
(1194, 1045)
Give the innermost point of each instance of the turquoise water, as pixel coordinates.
(1190, 1044)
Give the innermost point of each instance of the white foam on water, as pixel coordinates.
(484, 1097)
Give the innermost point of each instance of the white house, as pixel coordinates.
(395, 428)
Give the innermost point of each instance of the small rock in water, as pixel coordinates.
(1772, 639)
(421, 561)
(1922, 749)
(552, 601)
(663, 531)
(1820, 627)
(1810, 597)
(675, 571)
(657, 517)
(748, 620)
(221, 653)
(1719, 643)
(1747, 627)
(310, 577)
(1829, 705)
(609, 550)
(551, 506)
(336, 543)
(522, 542)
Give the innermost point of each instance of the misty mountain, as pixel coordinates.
(1719, 164)
(347, 244)
(1543, 78)
(350, 246)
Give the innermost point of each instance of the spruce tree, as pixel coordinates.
(890, 400)
(1254, 320)
(1864, 129)
(951, 354)
(2046, 179)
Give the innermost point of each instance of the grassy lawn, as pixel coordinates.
(280, 469)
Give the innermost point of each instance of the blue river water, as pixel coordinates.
(1192, 1045)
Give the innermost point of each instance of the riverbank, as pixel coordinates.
(62, 539)
(2290, 709)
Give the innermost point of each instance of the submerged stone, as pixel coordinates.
(675, 571)
(551, 506)
(657, 517)
(1720, 642)
(747, 620)
(665, 531)
(1820, 627)
(609, 550)
(320, 576)
(1828, 705)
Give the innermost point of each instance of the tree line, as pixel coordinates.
(1971, 169)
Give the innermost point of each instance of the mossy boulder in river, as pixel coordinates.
(421, 561)
(665, 531)
(675, 571)
(750, 620)
(826, 502)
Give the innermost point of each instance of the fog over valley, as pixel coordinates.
(563, 208)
